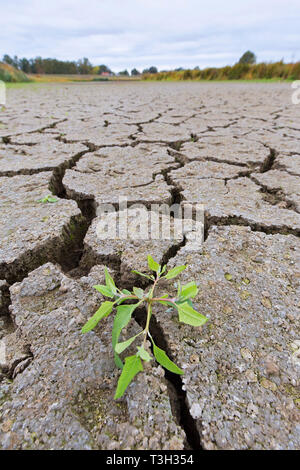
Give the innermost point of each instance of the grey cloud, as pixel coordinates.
(140, 33)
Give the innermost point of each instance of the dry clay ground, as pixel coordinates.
(233, 147)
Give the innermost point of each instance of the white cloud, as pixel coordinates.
(139, 33)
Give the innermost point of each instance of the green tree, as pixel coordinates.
(16, 62)
(135, 72)
(25, 65)
(39, 65)
(103, 69)
(84, 66)
(151, 69)
(7, 59)
(248, 58)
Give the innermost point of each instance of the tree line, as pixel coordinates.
(245, 68)
(83, 66)
(49, 66)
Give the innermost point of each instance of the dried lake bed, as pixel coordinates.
(232, 147)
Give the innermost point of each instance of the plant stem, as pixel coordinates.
(146, 330)
(164, 299)
(149, 310)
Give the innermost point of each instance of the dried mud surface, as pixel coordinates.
(233, 147)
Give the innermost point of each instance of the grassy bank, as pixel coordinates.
(10, 74)
(263, 71)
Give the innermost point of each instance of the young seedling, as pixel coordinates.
(48, 198)
(182, 303)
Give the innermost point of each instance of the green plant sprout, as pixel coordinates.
(48, 198)
(182, 303)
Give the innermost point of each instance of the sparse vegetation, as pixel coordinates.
(48, 198)
(181, 303)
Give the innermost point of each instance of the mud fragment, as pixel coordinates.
(32, 231)
(45, 156)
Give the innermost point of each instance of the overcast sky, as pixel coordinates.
(140, 33)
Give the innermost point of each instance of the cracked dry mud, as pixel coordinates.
(235, 148)
(48, 155)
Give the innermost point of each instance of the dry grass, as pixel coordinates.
(262, 71)
(48, 78)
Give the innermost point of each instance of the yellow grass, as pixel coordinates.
(48, 78)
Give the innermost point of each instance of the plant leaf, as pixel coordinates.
(120, 347)
(133, 365)
(189, 290)
(174, 272)
(178, 289)
(190, 303)
(102, 312)
(143, 354)
(163, 269)
(122, 318)
(48, 198)
(110, 283)
(123, 299)
(142, 274)
(190, 316)
(104, 290)
(125, 291)
(118, 361)
(163, 360)
(138, 292)
(153, 265)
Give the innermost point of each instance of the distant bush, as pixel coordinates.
(239, 71)
(10, 74)
(100, 79)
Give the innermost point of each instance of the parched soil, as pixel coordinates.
(232, 147)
